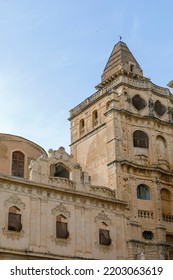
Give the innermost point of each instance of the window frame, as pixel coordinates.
(95, 118)
(140, 139)
(14, 219)
(61, 227)
(143, 192)
(18, 164)
(104, 237)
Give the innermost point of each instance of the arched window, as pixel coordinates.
(18, 160)
(140, 139)
(95, 118)
(104, 236)
(161, 147)
(14, 219)
(59, 170)
(143, 192)
(61, 227)
(165, 201)
(82, 126)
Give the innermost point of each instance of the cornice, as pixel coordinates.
(31, 188)
(142, 167)
(33, 254)
(141, 83)
(121, 72)
(136, 116)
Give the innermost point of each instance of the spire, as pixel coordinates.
(121, 59)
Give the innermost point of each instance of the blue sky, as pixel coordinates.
(52, 54)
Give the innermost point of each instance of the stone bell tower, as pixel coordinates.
(122, 135)
(98, 126)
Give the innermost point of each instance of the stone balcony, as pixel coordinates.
(62, 183)
(167, 218)
(145, 214)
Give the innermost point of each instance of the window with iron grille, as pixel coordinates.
(140, 139)
(18, 159)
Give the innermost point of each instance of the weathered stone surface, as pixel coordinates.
(117, 180)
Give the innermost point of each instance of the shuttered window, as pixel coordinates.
(104, 238)
(14, 222)
(61, 230)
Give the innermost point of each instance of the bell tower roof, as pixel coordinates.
(121, 61)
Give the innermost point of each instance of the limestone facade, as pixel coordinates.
(112, 197)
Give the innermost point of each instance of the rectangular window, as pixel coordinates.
(14, 222)
(61, 230)
(104, 238)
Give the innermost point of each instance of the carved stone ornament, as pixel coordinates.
(102, 217)
(104, 248)
(151, 107)
(60, 241)
(14, 200)
(60, 209)
(13, 234)
(59, 154)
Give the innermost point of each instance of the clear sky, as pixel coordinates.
(53, 52)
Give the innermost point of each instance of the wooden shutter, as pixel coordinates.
(61, 230)
(14, 222)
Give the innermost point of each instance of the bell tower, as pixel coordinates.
(122, 136)
(97, 132)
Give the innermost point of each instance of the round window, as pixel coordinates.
(148, 235)
(138, 102)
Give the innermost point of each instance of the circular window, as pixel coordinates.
(138, 102)
(159, 108)
(148, 235)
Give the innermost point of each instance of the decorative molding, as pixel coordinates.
(14, 200)
(61, 209)
(13, 234)
(60, 241)
(104, 248)
(102, 217)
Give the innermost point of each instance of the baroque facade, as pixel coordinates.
(112, 197)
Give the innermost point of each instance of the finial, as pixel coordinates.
(120, 37)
